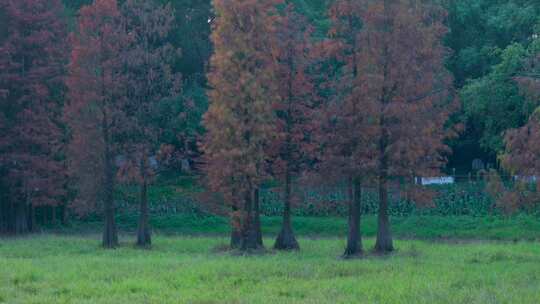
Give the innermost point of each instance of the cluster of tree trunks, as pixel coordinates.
(14, 219)
(19, 218)
(286, 239)
(246, 233)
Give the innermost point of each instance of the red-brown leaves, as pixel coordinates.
(393, 95)
(149, 80)
(402, 74)
(32, 58)
(292, 51)
(345, 129)
(523, 148)
(97, 86)
(240, 119)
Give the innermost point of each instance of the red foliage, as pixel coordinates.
(32, 60)
(149, 81)
(522, 157)
(395, 96)
(345, 126)
(97, 99)
(292, 51)
(240, 119)
(404, 80)
(522, 154)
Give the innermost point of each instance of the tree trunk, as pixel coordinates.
(286, 239)
(3, 213)
(33, 223)
(143, 231)
(110, 234)
(44, 217)
(257, 217)
(384, 237)
(354, 238)
(65, 214)
(236, 229)
(250, 231)
(21, 219)
(53, 215)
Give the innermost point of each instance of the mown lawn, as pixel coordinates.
(73, 269)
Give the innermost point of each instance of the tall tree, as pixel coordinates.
(32, 64)
(486, 37)
(493, 103)
(191, 34)
(240, 121)
(150, 80)
(346, 131)
(529, 78)
(293, 50)
(96, 112)
(401, 66)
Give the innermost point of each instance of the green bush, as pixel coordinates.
(456, 199)
(181, 196)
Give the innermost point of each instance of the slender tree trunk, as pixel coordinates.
(286, 239)
(65, 218)
(250, 229)
(384, 237)
(9, 217)
(21, 219)
(3, 217)
(383, 243)
(3, 209)
(110, 234)
(236, 229)
(53, 215)
(257, 217)
(248, 236)
(143, 231)
(33, 223)
(44, 217)
(354, 238)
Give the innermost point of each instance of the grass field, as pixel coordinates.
(521, 227)
(73, 269)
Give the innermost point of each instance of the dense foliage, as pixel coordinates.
(32, 66)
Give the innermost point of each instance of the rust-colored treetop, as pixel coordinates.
(293, 57)
(32, 64)
(240, 118)
(403, 77)
(97, 98)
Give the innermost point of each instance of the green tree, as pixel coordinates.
(493, 103)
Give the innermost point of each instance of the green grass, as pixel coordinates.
(524, 227)
(73, 269)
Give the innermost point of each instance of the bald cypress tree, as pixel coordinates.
(293, 58)
(402, 74)
(33, 56)
(96, 110)
(346, 129)
(150, 80)
(240, 118)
